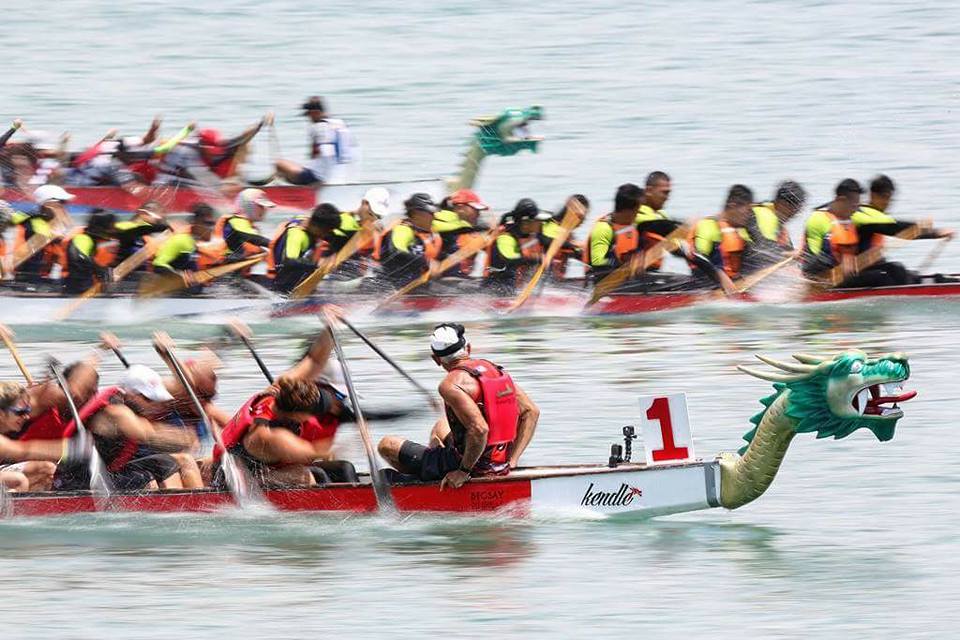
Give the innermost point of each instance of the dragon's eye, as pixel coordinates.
(856, 367)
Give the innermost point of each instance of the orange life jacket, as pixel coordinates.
(104, 253)
(626, 239)
(729, 253)
(380, 237)
(844, 239)
(272, 249)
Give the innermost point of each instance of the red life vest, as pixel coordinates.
(498, 403)
(127, 446)
(46, 426)
(262, 407)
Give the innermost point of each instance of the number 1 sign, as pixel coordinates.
(666, 429)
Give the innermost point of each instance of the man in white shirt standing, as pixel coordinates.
(331, 149)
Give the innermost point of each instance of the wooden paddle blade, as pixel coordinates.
(144, 253)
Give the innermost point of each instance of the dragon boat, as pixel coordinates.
(505, 134)
(42, 306)
(826, 396)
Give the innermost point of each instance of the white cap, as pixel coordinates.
(447, 339)
(145, 381)
(52, 192)
(379, 200)
(256, 196)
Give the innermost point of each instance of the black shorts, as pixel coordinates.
(429, 464)
(134, 476)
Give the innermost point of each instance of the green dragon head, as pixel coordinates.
(504, 135)
(836, 396)
(507, 134)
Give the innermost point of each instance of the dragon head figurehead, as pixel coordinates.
(503, 135)
(829, 396)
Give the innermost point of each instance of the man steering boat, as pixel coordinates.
(487, 424)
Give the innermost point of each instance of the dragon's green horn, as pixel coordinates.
(805, 369)
(807, 358)
(772, 377)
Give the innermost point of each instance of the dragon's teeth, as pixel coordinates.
(862, 399)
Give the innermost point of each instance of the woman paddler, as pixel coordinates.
(280, 433)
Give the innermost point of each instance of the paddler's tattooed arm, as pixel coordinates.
(468, 412)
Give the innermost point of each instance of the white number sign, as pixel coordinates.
(666, 429)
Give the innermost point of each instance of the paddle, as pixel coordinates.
(748, 282)
(7, 336)
(122, 270)
(934, 254)
(380, 487)
(109, 341)
(163, 285)
(99, 483)
(239, 331)
(471, 247)
(347, 251)
(396, 367)
(630, 268)
(871, 256)
(237, 481)
(571, 218)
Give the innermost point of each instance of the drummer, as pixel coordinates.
(487, 424)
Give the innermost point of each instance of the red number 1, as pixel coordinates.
(660, 411)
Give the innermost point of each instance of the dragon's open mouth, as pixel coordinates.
(870, 401)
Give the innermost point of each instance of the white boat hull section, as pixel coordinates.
(40, 310)
(652, 491)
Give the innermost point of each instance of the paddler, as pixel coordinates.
(488, 419)
(374, 205)
(410, 248)
(518, 248)
(238, 229)
(30, 463)
(131, 234)
(725, 242)
(89, 253)
(14, 127)
(873, 222)
(652, 221)
(459, 225)
(331, 148)
(831, 240)
(280, 433)
(51, 200)
(553, 228)
(128, 440)
(614, 238)
(181, 255)
(771, 217)
(293, 250)
(207, 158)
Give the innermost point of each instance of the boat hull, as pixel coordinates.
(35, 308)
(629, 488)
(288, 197)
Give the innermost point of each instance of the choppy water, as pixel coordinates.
(855, 539)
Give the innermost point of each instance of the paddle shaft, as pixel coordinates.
(96, 464)
(15, 353)
(256, 356)
(380, 487)
(182, 378)
(933, 255)
(396, 367)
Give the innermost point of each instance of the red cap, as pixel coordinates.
(209, 137)
(467, 196)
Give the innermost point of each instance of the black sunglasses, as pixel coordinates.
(18, 411)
